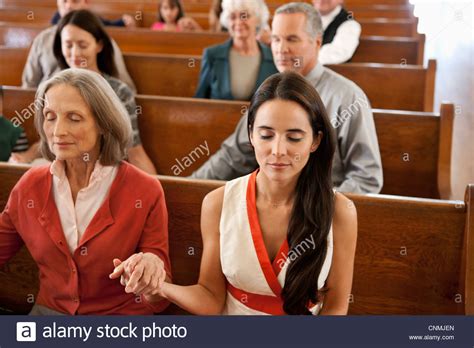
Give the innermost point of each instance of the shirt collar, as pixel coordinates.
(327, 19)
(314, 75)
(58, 169)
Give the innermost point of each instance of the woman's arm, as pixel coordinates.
(136, 154)
(207, 297)
(21, 144)
(204, 298)
(145, 270)
(204, 87)
(139, 158)
(123, 73)
(27, 156)
(10, 240)
(214, 14)
(339, 282)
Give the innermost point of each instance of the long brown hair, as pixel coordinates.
(89, 22)
(314, 197)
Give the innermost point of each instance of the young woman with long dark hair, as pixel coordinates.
(280, 240)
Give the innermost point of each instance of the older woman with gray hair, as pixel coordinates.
(235, 69)
(86, 212)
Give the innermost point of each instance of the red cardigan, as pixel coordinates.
(133, 218)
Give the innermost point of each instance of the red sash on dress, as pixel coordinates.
(268, 304)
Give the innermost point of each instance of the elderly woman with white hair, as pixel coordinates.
(89, 213)
(235, 69)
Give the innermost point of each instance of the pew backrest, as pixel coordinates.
(13, 32)
(376, 49)
(179, 135)
(388, 86)
(414, 256)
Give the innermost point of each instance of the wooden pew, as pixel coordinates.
(19, 34)
(389, 27)
(387, 86)
(390, 50)
(422, 266)
(145, 14)
(38, 15)
(151, 5)
(130, 40)
(42, 16)
(357, 11)
(377, 49)
(12, 63)
(360, 9)
(415, 147)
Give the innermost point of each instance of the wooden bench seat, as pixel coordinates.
(387, 86)
(414, 256)
(415, 147)
(371, 49)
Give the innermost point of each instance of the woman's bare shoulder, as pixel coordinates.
(345, 217)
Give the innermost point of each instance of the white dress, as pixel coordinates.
(254, 284)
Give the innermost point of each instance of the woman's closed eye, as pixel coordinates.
(49, 117)
(265, 134)
(292, 139)
(75, 117)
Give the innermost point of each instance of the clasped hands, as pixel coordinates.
(141, 274)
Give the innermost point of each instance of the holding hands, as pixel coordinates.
(141, 274)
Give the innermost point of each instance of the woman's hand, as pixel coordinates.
(141, 274)
(129, 21)
(188, 24)
(20, 157)
(27, 156)
(124, 269)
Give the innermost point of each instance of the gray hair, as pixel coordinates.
(110, 114)
(314, 25)
(257, 7)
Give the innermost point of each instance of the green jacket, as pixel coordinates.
(9, 135)
(214, 80)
